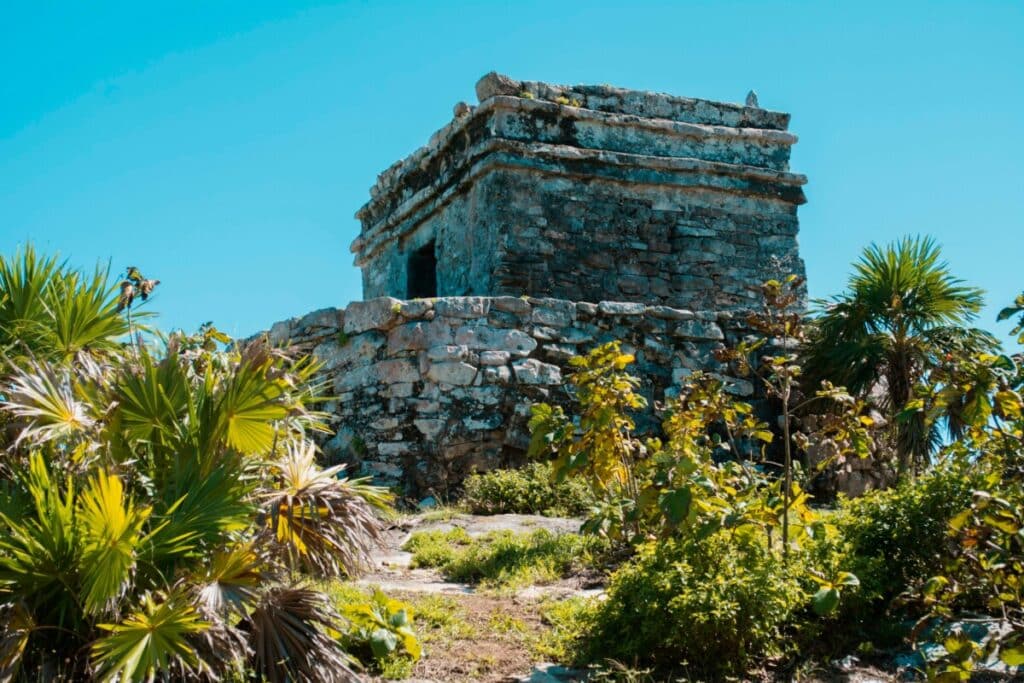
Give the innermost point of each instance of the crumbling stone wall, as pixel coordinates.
(594, 193)
(430, 390)
(669, 211)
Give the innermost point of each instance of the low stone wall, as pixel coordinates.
(427, 391)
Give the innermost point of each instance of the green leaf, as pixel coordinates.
(383, 642)
(825, 601)
(676, 505)
(1013, 655)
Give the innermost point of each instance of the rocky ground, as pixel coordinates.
(492, 637)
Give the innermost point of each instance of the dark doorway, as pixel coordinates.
(423, 272)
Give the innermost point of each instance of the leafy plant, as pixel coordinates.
(709, 607)
(382, 627)
(526, 490)
(161, 501)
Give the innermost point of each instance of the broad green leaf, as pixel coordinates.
(825, 601)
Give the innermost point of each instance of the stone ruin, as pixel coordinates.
(542, 222)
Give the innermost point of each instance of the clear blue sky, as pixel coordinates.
(224, 147)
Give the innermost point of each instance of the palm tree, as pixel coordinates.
(162, 507)
(900, 313)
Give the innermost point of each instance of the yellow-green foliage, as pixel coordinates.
(710, 607)
(527, 490)
(505, 559)
(378, 630)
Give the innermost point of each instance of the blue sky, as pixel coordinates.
(224, 147)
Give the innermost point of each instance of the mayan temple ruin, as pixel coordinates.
(535, 225)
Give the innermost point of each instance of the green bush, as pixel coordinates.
(505, 559)
(707, 608)
(899, 537)
(527, 490)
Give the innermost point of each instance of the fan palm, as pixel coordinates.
(882, 336)
(49, 310)
(160, 503)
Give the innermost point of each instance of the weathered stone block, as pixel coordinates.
(463, 307)
(533, 371)
(381, 313)
(621, 308)
(458, 374)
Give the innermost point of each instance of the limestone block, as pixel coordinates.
(515, 342)
(511, 304)
(576, 335)
(397, 370)
(494, 84)
(384, 424)
(497, 375)
(430, 428)
(486, 422)
(455, 373)
(697, 329)
(669, 313)
(381, 313)
(394, 448)
(400, 390)
(621, 308)
(280, 333)
(495, 357)
(360, 376)
(357, 350)
(382, 470)
(325, 318)
(533, 371)
(462, 307)
(407, 337)
(416, 308)
(448, 352)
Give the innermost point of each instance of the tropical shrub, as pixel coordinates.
(704, 608)
(526, 490)
(51, 312)
(163, 505)
(899, 537)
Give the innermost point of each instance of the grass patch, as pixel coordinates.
(526, 490)
(504, 559)
(440, 618)
(568, 621)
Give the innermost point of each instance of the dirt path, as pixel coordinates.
(475, 636)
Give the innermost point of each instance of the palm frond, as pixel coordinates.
(153, 640)
(288, 639)
(50, 311)
(315, 519)
(251, 401)
(230, 585)
(16, 626)
(40, 551)
(112, 532)
(46, 399)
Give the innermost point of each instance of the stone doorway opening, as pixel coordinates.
(422, 274)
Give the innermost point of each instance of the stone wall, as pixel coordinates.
(591, 192)
(430, 390)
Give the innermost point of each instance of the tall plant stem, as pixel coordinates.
(787, 468)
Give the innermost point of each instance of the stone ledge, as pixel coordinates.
(574, 162)
(440, 154)
(636, 102)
